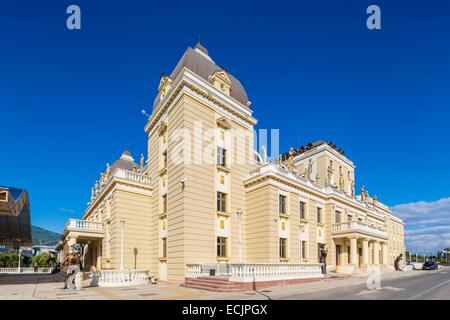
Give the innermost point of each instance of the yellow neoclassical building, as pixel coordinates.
(205, 203)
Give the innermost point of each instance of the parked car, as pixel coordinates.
(416, 265)
(430, 265)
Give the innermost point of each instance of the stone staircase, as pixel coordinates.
(216, 283)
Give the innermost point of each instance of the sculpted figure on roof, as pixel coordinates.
(291, 159)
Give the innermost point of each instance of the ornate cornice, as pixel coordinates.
(296, 186)
(160, 112)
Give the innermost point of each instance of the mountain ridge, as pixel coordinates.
(44, 237)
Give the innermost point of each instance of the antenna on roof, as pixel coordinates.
(198, 39)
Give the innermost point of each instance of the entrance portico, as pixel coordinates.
(358, 245)
(89, 234)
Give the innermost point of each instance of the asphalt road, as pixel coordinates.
(428, 285)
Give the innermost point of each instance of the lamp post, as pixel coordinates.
(122, 226)
(239, 216)
(18, 265)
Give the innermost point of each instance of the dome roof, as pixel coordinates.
(125, 162)
(198, 61)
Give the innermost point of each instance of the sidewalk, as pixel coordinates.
(49, 287)
(330, 282)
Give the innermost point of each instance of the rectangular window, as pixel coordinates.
(282, 204)
(164, 247)
(3, 196)
(221, 201)
(319, 215)
(221, 247)
(337, 217)
(349, 218)
(164, 198)
(303, 249)
(283, 243)
(221, 156)
(302, 210)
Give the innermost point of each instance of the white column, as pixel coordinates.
(365, 252)
(71, 241)
(354, 251)
(376, 253)
(384, 253)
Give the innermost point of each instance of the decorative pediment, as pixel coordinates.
(224, 123)
(164, 85)
(221, 80)
(162, 127)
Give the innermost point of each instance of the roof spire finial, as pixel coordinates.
(200, 47)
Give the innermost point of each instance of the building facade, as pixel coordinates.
(15, 220)
(205, 197)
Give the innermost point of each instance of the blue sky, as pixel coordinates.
(310, 68)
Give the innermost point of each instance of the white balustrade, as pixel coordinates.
(24, 270)
(84, 225)
(248, 272)
(119, 278)
(137, 177)
(121, 174)
(274, 271)
(193, 270)
(358, 226)
(282, 171)
(274, 168)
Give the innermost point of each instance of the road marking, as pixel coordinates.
(428, 290)
(364, 292)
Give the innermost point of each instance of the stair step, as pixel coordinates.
(203, 287)
(218, 284)
(209, 281)
(214, 277)
(213, 285)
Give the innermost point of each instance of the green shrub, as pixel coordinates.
(45, 259)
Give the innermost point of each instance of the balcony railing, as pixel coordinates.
(121, 174)
(276, 169)
(84, 225)
(132, 176)
(248, 272)
(358, 226)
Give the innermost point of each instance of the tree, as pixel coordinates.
(45, 259)
(10, 259)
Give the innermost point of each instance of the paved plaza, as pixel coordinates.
(400, 285)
